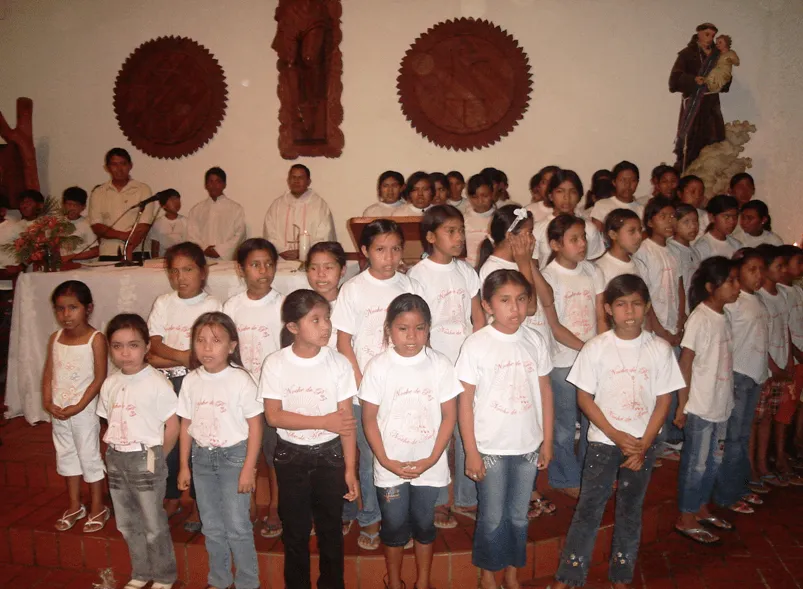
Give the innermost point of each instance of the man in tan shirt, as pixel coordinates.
(112, 199)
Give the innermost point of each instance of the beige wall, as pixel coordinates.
(600, 70)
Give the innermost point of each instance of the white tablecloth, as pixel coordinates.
(115, 290)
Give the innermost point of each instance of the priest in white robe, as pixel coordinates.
(217, 223)
(297, 210)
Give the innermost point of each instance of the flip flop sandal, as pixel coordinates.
(758, 487)
(193, 527)
(368, 541)
(346, 527)
(135, 584)
(445, 523)
(97, 522)
(271, 530)
(775, 480)
(68, 520)
(715, 521)
(741, 507)
(469, 513)
(792, 479)
(699, 535)
(753, 499)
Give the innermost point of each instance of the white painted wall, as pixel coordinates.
(600, 71)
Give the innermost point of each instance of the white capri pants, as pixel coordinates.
(77, 442)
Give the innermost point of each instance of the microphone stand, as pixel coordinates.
(125, 261)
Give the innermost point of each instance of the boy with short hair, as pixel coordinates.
(73, 203)
(31, 203)
(169, 228)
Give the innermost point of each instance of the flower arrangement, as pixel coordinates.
(44, 238)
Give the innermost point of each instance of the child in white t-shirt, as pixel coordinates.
(686, 229)
(691, 191)
(451, 289)
(169, 228)
(478, 215)
(388, 192)
(139, 404)
(706, 402)
(257, 313)
(623, 231)
(723, 210)
(325, 267)
(419, 189)
(170, 324)
(73, 203)
(359, 319)
(623, 378)
(506, 421)
(409, 414)
(579, 315)
(755, 224)
(307, 389)
(538, 187)
(456, 185)
(748, 319)
(221, 427)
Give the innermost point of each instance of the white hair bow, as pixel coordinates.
(521, 215)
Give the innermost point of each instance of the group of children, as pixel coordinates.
(363, 387)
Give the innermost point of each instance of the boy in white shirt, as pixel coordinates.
(217, 223)
(73, 202)
(169, 228)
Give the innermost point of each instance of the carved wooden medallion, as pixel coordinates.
(464, 84)
(170, 97)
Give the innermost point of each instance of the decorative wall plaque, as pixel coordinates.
(170, 97)
(464, 84)
(310, 67)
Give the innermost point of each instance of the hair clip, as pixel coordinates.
(521, 214)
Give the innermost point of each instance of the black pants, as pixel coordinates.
(311, 487)
(173, 459)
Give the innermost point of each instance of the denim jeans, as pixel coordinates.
(407, 511)
(500, 537)
(564, 470)
(734, 473)
(465, 490)
(601, 469)
(311, 488)
(137, 498)
(369, 514)
(699, 462)
(225, 515)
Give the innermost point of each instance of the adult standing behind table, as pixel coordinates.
(217, 223)
(109, 202)
(297, 210)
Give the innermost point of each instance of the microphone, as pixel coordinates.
(146, 202)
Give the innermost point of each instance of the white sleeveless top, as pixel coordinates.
(73, 370)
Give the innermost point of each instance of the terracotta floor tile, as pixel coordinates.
(46, 549)
(21, 546)
(71, 551)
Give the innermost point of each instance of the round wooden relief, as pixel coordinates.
(170, 97)
(464, 84)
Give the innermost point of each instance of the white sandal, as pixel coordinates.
(68, 520)
(97, 522)
(135, 584)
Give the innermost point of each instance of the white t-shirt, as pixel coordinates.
(218, 405)
(461, 205)
(361, 308)
(538, 322)
(661, 271)
(708, 335)
(575, 303)
(381, 209)
(307, 386)
(708, 246)
(136, 407)
(794, 299)
(220, 223)
(539, 210)
(172, 317)
(748, 240)
(594, 249)
(625, 377)
(602, 207)
(477, 227)
(778, 326)
(408, 210)
(309, 212)
(612, 267)
(688, 261)
(504, 368)
(259, 325)
(83, 230)
(448, 290)
(168, 232)
(409, 393)
(749, 322)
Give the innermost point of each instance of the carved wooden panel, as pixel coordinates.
(464, 84)
(170, 97)
(310, 66)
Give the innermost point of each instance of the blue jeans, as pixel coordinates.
(225, 515)
(564, 470)
(731, 483)
(369, 514)
(601, 469)
(699, 462)
(500, 537)
(407, 511)
(465, 490)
